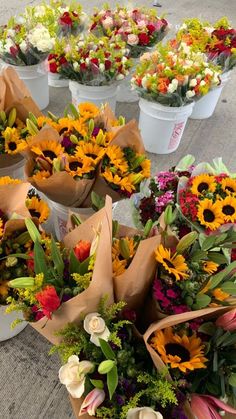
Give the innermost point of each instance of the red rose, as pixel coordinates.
(83, 67)
(62, 60)
(143, 39)
(82, 250)
(65, 19)
(95, 61)
(107, 64)
(49, 300)
(52, 57)
(14, 51)
(53, 67)
(151, 28)
(93, 26)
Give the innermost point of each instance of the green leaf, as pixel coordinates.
(202, 301)
(57, 258)
(209, 243)
(33, 231)
(18, 255)
(217, 258)
(74, 264)
(106, 349)
(74, 111)
(98, 202)
(218, 278)
(40, 263)
(97, 384)
(198, 255)
(112, 381)
(232, 379)
(207, 328)
(229, 287)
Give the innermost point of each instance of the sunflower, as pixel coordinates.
(13, 142)
(38, 208)
(90, 150)
(7, 180)
(41, 175)
(119, 261)
(88, 110)
(116, 158)
(80, 128)
(117, 182)
(146, 168)
(228, 185)
(175, 264)
(1, 228)
(65, 125)
(76, 166)
(44, 120)
(50, 150)
(202, 184)
(180, 351)
(228, 209)
(209, 214)
(103, 138)
(209, 266)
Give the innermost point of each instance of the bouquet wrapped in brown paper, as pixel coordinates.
(72, 279)
(198, 348)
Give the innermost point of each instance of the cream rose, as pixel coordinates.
(132, 39)
(96, 327)
(143, 413)
(108, 22)
(72, 375)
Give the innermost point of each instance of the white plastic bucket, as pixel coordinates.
(55, 81)
(161, 126)
(125, 94)
(205, 107)
(15, 171)
(5, 323)
(99, 95)
(35, 78)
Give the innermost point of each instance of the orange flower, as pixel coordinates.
(220, 295)
(49, 300)
(82, 250)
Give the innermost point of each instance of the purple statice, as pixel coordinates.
(95, 131)
(162, 201)
(66, 142)
(166, 180)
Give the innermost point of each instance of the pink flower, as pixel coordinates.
(132, 39)
(162, 201)
(170, 293)
(165, 179)
(227, 321)
(207, 407)
(91, 402)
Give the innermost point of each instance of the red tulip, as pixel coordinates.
(82, 250)
(227, 321)
(48, 300)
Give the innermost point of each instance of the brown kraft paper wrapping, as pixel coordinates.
(133, 285)
(175, 320)
(12, 199)
(126, 136)
(60, 187)
(101, 283)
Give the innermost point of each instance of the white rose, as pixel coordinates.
(202, 83)
(11, 33)
(101, 67)
(73, 374)
(108, 22)
(62, 10)
(9, 43)
(76, 66)
(172, 86)
(193, 83)
(144, 82)
(39, 11)
(23, 46)
(132, 39)
(124, 59)
(143, 413)
(190, 94)
(208, 71)
(120, 77)
(96, 326)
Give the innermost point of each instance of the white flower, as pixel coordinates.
(190, 94)
(173, 86)
(76, 66)
(9, 43)
(209, 29)
(124, 59)
(186, 49)
(101, 67)
(107, 23)
(120, 77)
(39, 11)
(143, 413)
(87, 60)
(62, 10)
(73, 374)
(23, 46)
(11, 33)
(132, 39)
(144, 82)
(40, 38)
(96, 327)
(193, 83)
(208, 71)
(202, 83)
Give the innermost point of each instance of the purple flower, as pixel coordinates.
(66, 142)
(165, 179)
(95, 131)
(171, 294)
(162, 201)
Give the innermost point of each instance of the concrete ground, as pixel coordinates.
(29, 377)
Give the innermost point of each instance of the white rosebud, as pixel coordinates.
(101, 67)
(11, 33)
(193, 83)
(76, 66)
(87, 60)
(144, 82)
(120, 77)
(190, 94)
(73, 375)
(132, 39)
(124, 59)
(96, 327)
(143, 413)
(172, 86)
(208, 71)
(202, 83)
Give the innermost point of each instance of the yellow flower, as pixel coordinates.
(123, 184)
(4, 289)
(119, 261)
(38, 208)
(88, 110)
(179, 351)
(209, 214)
(146, 168)
(44, 120)
(29, 293)
(175, 265)
(50, 150)
(1, 228)
(41, 175)
(202, 184)
(76, 166)
(228, 209)
(80, 128)
(116, 158)
(228, 185)
(65, 125)
(220, 295)
(13, 143)
(6, 180)
(90, 150)
(210, 267)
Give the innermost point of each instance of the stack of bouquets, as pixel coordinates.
(84, 152)
(25, 41)
(140, 28)
(173, 77)
(96, 61)
(71, 19)
(217, 41)
(57, 57)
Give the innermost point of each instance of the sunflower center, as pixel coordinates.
(63, 130)
(168, 263)
(50, 154)
(93, 156)
(74, 165)
(228, 188)
(228, 210)
(175, 349)
(12, 146)
(208, 216)
(34, 213)
(203, 186)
